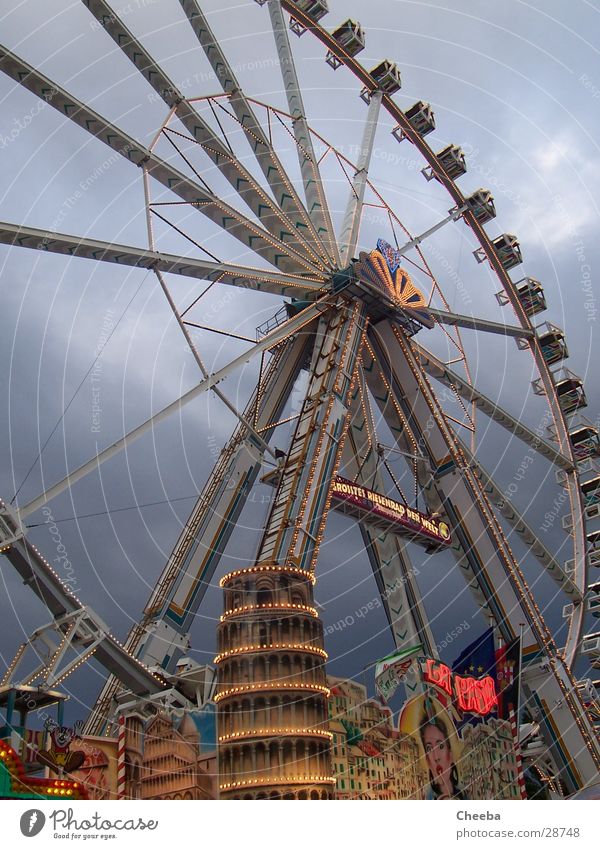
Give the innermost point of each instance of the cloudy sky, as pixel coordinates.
(516, 84)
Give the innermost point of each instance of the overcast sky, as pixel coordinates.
(516, 84)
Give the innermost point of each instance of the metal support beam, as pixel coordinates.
(288, 328)
(298, 513)
(533, 543)
(186, 334)
(456, 320)
(256, 279)
(162, 634)
(61, 601)
(316, 201)
(257, 199)
(252, 235)
(351, 226)
(75, 633)
(281, 185)
(490, 563)
(440, 371)
(453, 215)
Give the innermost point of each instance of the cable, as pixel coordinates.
(116, 510)
(83, 379)
(396, 484)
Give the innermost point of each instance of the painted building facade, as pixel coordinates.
(371, 759)
(489, 766)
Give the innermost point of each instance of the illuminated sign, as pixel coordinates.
(380, 270)
(371, 506)
(472, 695)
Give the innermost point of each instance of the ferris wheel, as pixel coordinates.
(239, 192)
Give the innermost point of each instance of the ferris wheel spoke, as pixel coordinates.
(440, 371)
(473, 323)
(284, 192)
(244, 277)
(353, 214)
(316, 200)
(276, 336)
(225, 217)
(261, 204)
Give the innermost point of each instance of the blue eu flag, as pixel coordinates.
(479, 658)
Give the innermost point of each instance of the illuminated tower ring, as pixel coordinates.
(353, 306)
(272, 696)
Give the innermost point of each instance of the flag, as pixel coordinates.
(507, 677)
(390, 671)
(479, 658)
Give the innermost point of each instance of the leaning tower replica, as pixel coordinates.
(272, 690)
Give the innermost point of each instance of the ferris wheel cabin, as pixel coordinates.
(508, 250)
(590, 490)
(421, 118)
(593, 542)
(481, 205)
(594, 599)
(585, 442)
(552, 342)
(453, 160)
(569, 388)
(387, 75)
(315, 9)
(530, 293)
(591, 647)
(349, 35)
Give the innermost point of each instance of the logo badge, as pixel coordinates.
(32, 822)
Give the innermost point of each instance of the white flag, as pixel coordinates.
(390, 671)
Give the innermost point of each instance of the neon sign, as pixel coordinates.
(366, 504)
(472, 695)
